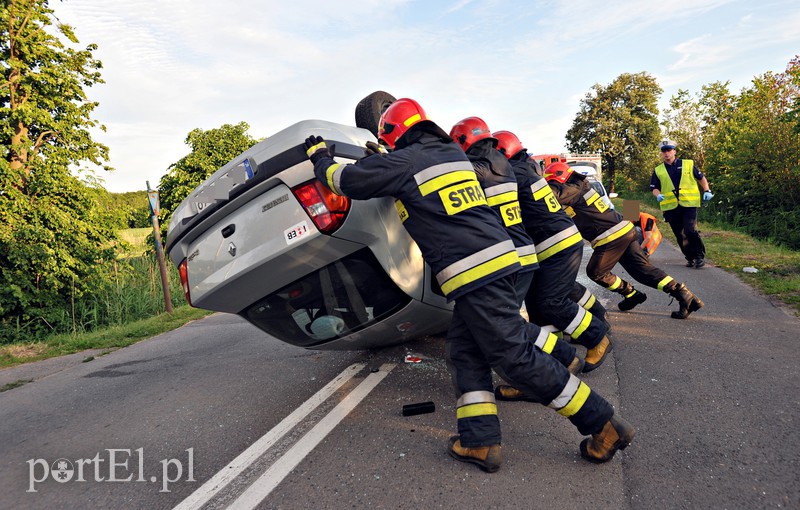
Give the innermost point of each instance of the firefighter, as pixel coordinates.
(614, 240)
(500, 189)
(681, 183)
(443, 208)
(559, 247)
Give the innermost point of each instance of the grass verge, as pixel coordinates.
(107, 338)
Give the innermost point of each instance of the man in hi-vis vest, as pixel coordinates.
(678, 186)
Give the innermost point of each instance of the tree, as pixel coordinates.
(211, 150)
(620, 122)
(758, 150)
(50, 236)
(695, 123)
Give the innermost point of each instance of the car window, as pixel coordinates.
(342, 297)
(598, 187)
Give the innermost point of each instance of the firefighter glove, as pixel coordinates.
(707, 195)
(660, 197)
(374, 148)
(316, 149)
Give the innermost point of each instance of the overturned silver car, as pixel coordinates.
(264, 239)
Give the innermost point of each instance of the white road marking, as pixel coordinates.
(209, 489)
(262, 487)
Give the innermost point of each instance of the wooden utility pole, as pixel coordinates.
(152, 196)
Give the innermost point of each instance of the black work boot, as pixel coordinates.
(631, 300)
(688, 302)
(487, 458)
(597, 354)
(617, 434)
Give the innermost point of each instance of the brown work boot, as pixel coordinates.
(597, 354)
(688, 302)
(617, 434)
(487, 458)
(510, 394)
(576, 366)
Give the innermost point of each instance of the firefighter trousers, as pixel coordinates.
(627, 251)
(561, 350)
(487, 332)
(550, 299)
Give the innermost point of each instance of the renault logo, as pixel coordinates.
(232, 249)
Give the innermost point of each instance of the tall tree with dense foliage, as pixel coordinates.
(757, 159)
(50, 239)
(697, 122)
(620, 121)
(211, 150)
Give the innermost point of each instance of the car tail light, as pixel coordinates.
(184, 272)
(326, 209)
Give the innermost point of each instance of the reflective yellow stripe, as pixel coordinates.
(550, 343)
(540, 189)
(475, 259)
(617, 283)
(615, 232)
(478, 272)
(527, 260)
(663, 283)
(312, 150)
(583, 325)
(546, 340)
(593, 197)
(631, 294)
(575, 404)
(562, 245)
(446, 180)
(579, 323)
(502, 198)
(527, 255)
(333, 180)
(590, 303)
(414, 118)
(473, 410)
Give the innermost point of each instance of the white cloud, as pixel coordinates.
(175, 65)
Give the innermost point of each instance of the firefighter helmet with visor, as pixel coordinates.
(398, 118)
(470, 130)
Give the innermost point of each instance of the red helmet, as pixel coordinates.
(468, 131)
(508, 143)
(395, 121)
(558, 171)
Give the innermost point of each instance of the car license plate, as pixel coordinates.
(296, 233)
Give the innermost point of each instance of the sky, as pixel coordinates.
(171, 66)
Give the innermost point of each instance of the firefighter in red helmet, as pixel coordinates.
(614, 240)
(443, 208)
(552, 297)
(500, 188)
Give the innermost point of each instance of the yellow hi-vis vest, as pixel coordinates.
(688, 191)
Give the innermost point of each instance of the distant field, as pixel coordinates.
(137, 238)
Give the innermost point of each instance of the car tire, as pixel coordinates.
(370, 109)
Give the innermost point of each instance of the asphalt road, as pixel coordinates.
(714, 399)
